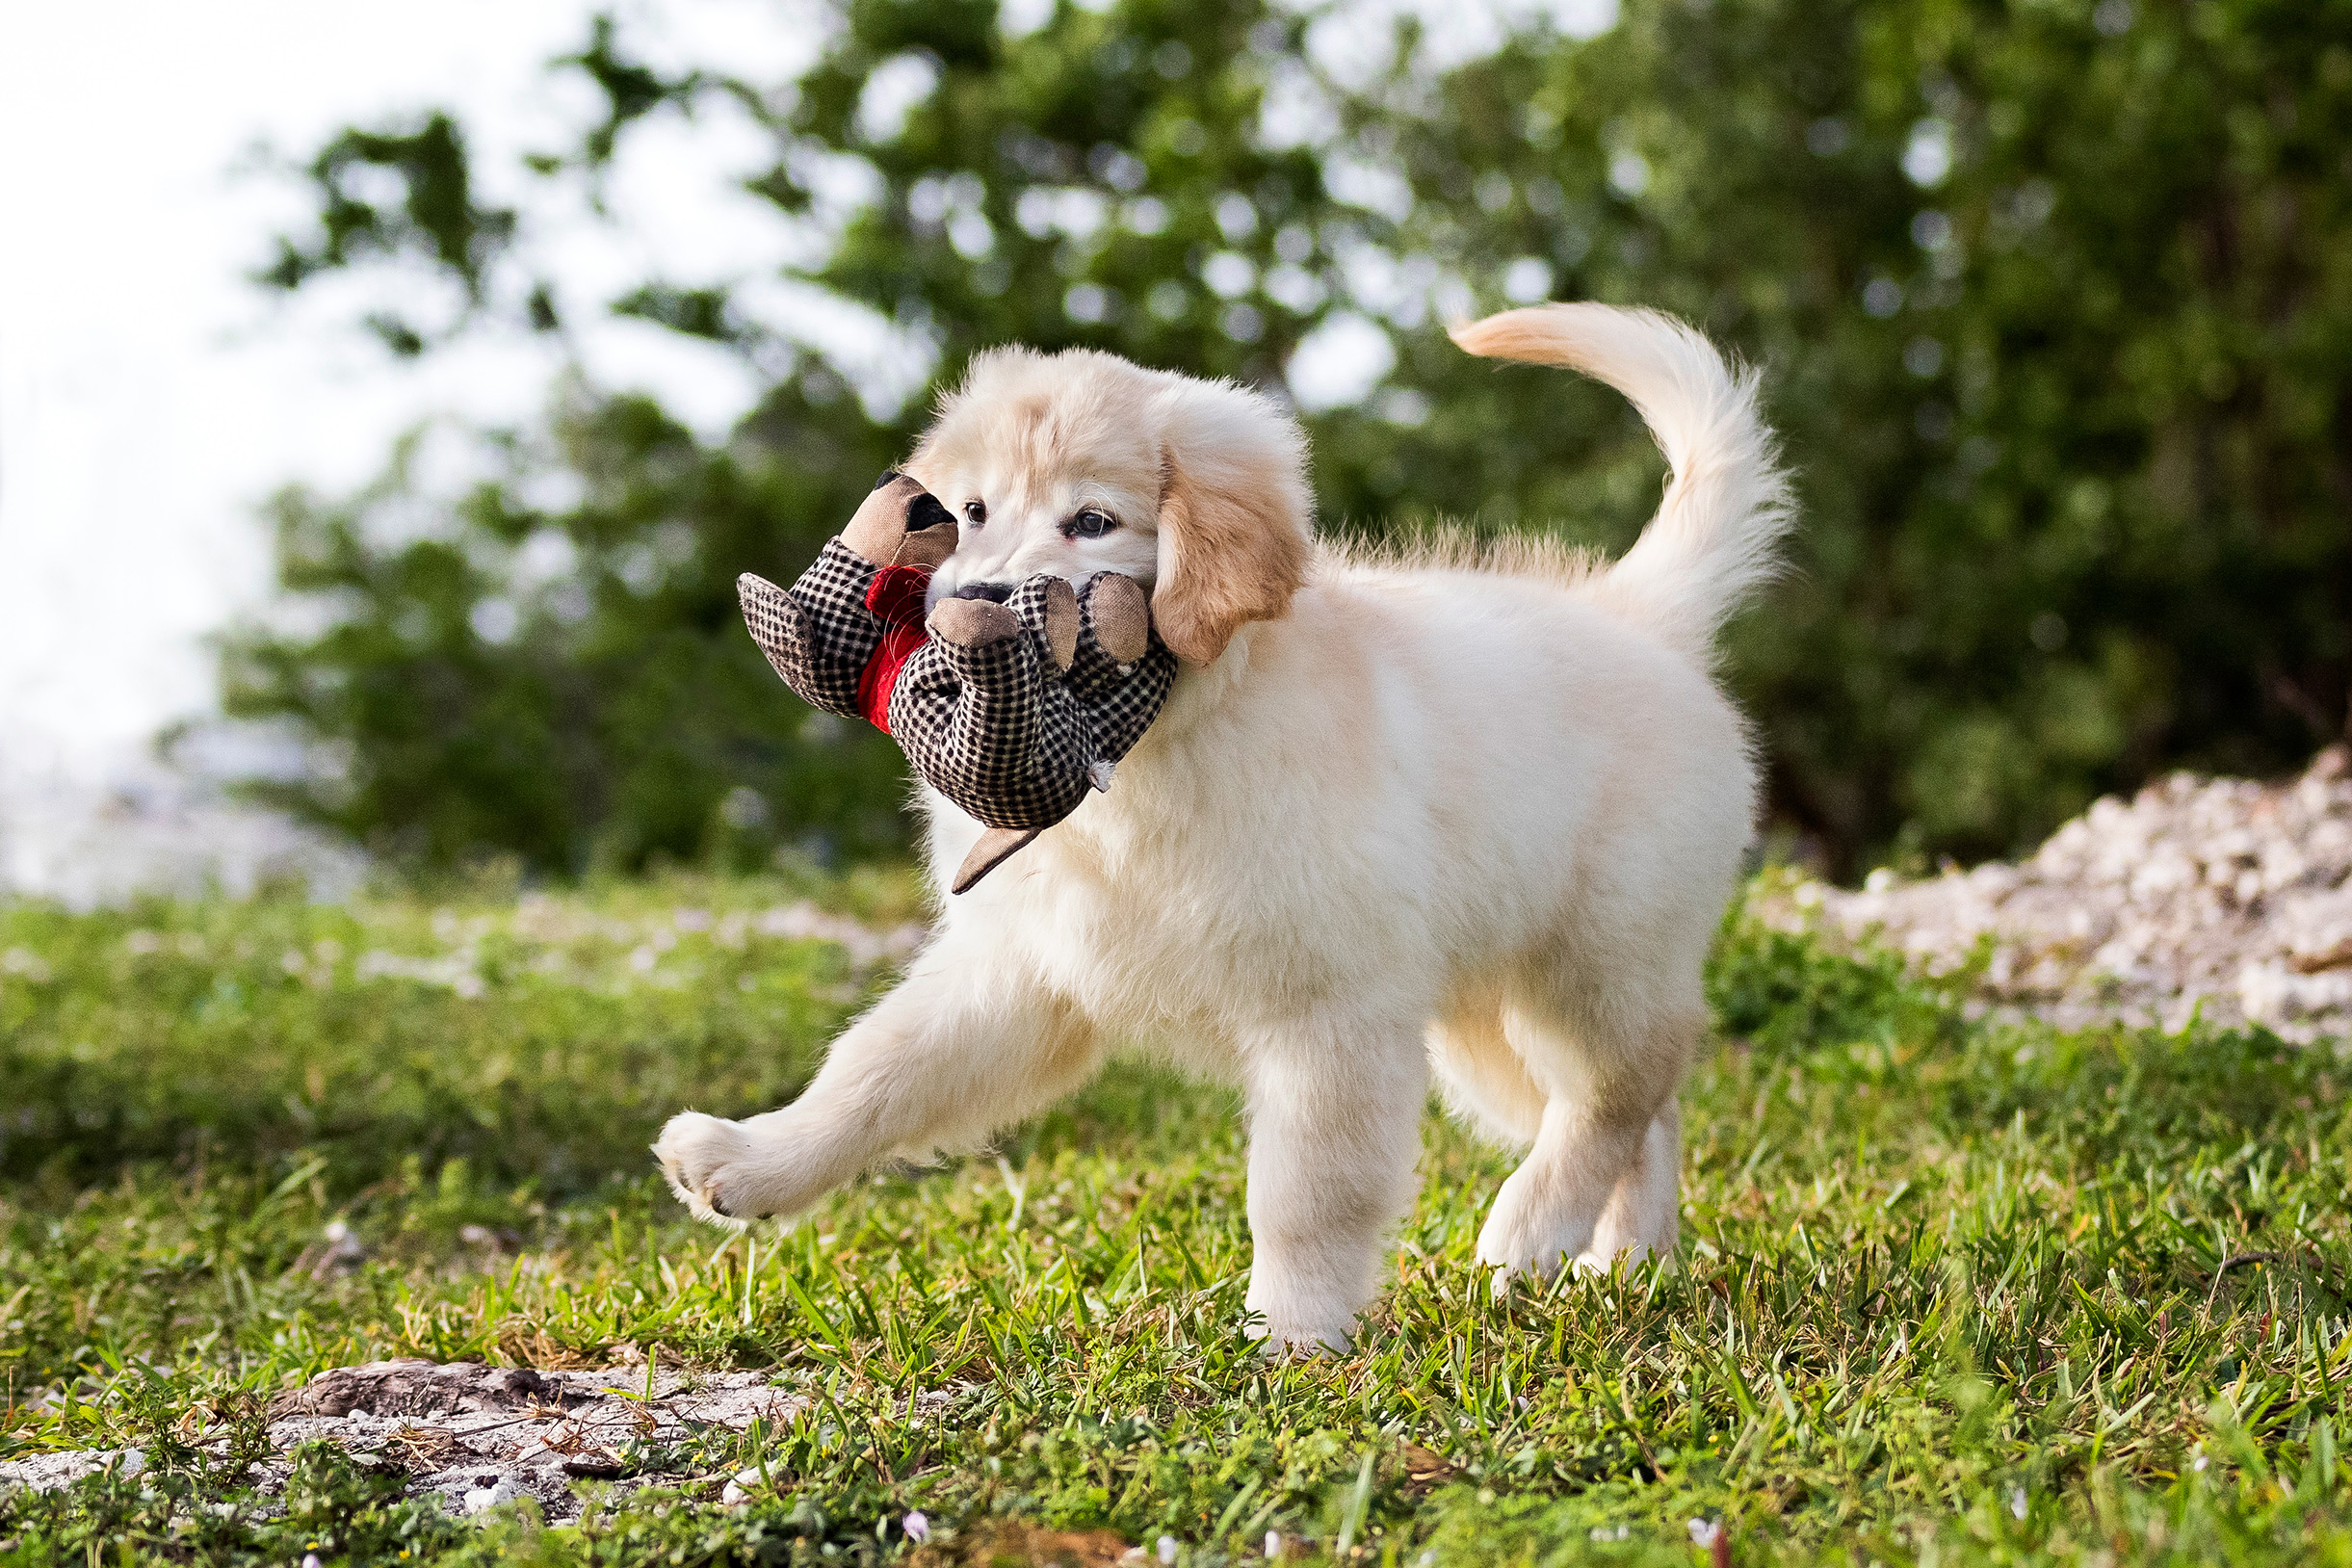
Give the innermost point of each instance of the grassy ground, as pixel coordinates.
(1950, 1292)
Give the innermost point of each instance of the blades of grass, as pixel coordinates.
(1359, 1498)
(818, 1319)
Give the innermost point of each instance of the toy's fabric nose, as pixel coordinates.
(993, 592)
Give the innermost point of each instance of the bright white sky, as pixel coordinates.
(150, 399)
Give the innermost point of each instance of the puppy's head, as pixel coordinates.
(1080, 463)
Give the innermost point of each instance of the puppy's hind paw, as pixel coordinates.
(703, 1157)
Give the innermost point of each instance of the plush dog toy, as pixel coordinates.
(1012, 710)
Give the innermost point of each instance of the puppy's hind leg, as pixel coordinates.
(1603, 1172)
(1644, 1213)
(1485, 1082)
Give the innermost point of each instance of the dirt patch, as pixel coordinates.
(1007, 1543)
(2216, 898)
(410, 1387)
(479, 1436)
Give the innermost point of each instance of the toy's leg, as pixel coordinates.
(1114, 631)
(964, 1045)
(1334, 1130)
(1119, 676)
(977, 711)
(781, 630)
(927, 717)
(821, 635)
(1048, 606)
(982, 742)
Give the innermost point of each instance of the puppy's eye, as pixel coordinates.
(1090, 525)
(975, 513)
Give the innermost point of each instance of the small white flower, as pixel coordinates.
(1167, 1549)
(1273, 1545)
(2017, 1502)
(1703, 1532)
(310, 1559)
(918, 1527)
(2197, 1463)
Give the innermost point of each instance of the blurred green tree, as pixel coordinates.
(2054, 297)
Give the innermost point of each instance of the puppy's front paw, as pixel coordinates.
(1296, 1322)
(705, 1157)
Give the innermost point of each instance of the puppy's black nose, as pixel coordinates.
(993, 592)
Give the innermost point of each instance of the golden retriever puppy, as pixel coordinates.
(1467, 813)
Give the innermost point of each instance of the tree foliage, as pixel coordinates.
(2054, 298)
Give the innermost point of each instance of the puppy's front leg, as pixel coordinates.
(964, 1044)
(1334, 1133)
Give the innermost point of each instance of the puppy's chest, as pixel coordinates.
(1131, 960)
(1174, 956)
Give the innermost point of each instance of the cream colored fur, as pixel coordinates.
(1433, 812)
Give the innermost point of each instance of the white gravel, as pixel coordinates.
(2215, 898)
(479, 1436)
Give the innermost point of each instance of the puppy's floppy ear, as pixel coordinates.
(1234, 517)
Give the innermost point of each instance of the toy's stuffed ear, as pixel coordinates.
(1234, 517)
(901, 524)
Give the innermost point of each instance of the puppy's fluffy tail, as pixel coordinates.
(1716, 535)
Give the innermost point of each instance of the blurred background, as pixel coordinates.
(388, 400)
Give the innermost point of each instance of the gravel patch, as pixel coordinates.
(479, 1436)
(2212, 898)
(47, 1472)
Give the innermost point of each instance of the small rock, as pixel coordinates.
(501, 1489)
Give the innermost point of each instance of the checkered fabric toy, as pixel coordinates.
(1012, 710)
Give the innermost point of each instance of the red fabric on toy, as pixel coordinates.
(895, 598)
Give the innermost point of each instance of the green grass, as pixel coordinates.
(1949, 1291)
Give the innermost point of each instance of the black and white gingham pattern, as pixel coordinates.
(997, 731)
(989, 733)
(1120, 700)
(820, 635)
